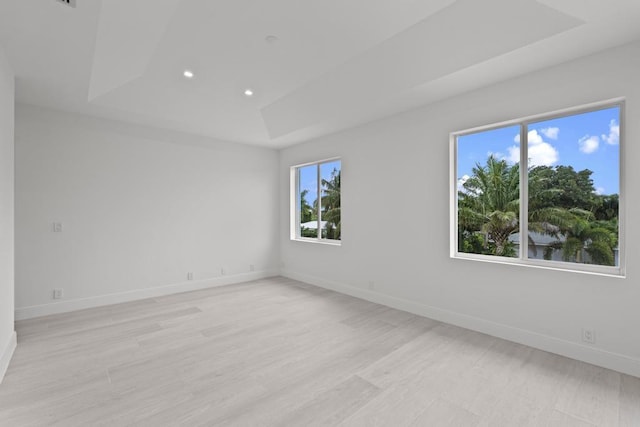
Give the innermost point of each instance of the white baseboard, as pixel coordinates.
(574, 350)
(23, 313)
(7, 353)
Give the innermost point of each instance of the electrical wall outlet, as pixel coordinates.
(589, 336)
(189, 276)
(58, 293)
(57, 227)
(252, 267)
(222, 271)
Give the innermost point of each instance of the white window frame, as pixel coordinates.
(295, 203)
(523, 259)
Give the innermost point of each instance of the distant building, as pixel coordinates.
(313, 225)
(542, 241)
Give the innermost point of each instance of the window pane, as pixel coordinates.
(308, 200)
(574, 186)
(488, 174)
(330, 187)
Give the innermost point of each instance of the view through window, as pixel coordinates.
(569, 206)
(318, 201)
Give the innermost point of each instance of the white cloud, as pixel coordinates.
(540, 152)
(589, 144)
(614, 133)
(514, 154)
(497, 155)
(543, 154)
(534, 137)
(551, 133)
(461, 182)
(600, 191)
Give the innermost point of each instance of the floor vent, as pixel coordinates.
(71, 3)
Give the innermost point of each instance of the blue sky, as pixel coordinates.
(309, 178)
(584, 141)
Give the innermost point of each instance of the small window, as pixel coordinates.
(315, 202)
(562, 210)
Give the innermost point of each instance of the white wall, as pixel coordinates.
(7, 334)
(140, 209)
(395, 223)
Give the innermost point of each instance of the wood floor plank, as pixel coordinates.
(629, 401)
(515, 410)
(280, 352)
(591, 394)
(401, 402)
(332, 406)
(444, 413)
(557, 418)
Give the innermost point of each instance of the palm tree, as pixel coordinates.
(596, 238)
(545, 215)
(306, 211)
(331, 205)
(488, 206)
(489, 203)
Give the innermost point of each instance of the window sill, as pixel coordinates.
(614, 272)
(319, 242)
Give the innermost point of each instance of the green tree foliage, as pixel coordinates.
(489, 203)
(607, 208)
(331, 206)
(598, 239)
(562, 187)
(591, 228)
(562, 203)
(306, 211)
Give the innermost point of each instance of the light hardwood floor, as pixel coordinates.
(282, 353)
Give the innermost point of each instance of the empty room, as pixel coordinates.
(172, 246)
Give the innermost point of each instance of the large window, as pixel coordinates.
(562, 210)
(315, 201)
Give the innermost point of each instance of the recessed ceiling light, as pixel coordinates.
(248, 92)
(188, 74)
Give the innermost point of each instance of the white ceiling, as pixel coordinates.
(335, 64)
